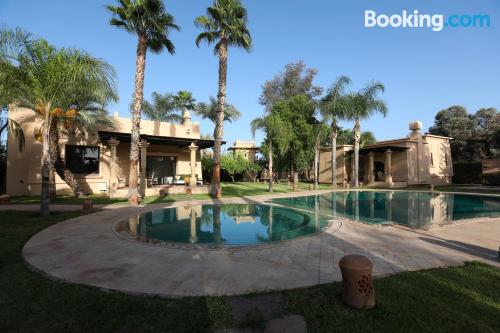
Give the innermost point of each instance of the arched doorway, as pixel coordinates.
(378, 171)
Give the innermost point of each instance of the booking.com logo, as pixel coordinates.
(436, 22)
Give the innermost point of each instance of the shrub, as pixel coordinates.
(490, 178)
(467, 172)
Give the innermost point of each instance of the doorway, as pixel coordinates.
(161, 169)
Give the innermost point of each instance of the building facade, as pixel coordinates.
(414, 160)
(170, 155)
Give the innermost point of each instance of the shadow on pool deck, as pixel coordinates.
(466, 248)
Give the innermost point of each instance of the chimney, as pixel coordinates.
(415, 127)
(186, 118)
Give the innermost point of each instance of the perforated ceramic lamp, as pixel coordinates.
(357, 282)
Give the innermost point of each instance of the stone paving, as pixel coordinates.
(86, 250)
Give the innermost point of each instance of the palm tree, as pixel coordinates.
(161, 108)
(333, 110)
(209, 111)
(321, 132)
(225, 25)
(151, 23)
(363, 105)
(49, 81)
(184, 101)
(277, 135)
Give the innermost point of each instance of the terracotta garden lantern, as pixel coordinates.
(357, 282)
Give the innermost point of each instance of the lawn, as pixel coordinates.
(463, 298)
(228, 190)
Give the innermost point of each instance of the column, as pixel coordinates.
(387, 168)
(371, 177)
(113, 177)
(143, 145)
(193, 239)
(193, 148)
(388, 206)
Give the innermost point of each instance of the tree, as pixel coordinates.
(321, 131)
(277, 134)
(295, 80)
(209, 111)
(363, 105)
(299, 113)
(252, 169)
(473, 134)
(161, 108)
(233, 164)
(184, 101)
(332, 109)
(50, 79)
(151, 23)
(225, 25)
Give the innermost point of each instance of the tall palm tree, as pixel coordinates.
(49, 79)
(161, 108)
(333, 110)
(225, 25)
(363, 105)
(277, 136)
(321, 131)
(151, 23)
(209, 111)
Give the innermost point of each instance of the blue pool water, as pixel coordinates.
(409, 208)
(228, 224)
(288, 218)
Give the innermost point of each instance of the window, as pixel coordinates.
(446, 159)
(82, 160)
(432, 160)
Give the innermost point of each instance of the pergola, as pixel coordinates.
(115, 138)
(370, 150)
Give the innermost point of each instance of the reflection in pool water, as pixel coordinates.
(410, 208)
(288, 218)
(228, 224)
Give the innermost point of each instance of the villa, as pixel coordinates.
(170, 156)
(416, 159)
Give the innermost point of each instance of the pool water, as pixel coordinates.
(228, 224)
(288, 218)
(410, 208)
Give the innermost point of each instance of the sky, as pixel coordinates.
(423, 71)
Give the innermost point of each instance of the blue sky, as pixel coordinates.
(423, 71)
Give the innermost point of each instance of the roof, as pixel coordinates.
(156, 139)
(379, 149)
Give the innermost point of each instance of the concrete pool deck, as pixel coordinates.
(86, 250)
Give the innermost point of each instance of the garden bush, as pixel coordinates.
(490, 178)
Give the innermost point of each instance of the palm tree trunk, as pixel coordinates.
(315, 169)
(334, 154)
(357, 136)
(270, 166)
(45, 200)
(140, 67)
(58, 163)
(53, 148)
(219, 120)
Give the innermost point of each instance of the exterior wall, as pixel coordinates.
(24, 168)
(491, 165)
(412, 165)
(325, 165)
(441, 166)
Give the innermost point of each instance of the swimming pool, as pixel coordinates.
(410, 208)
(227, 224)
(289, 218)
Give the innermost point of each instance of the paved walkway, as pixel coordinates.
(86, 250)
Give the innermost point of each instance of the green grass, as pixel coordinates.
(456, 299)
(228, 190)
(30, 302)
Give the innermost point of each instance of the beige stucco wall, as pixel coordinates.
(24, 168)
(325, 164)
